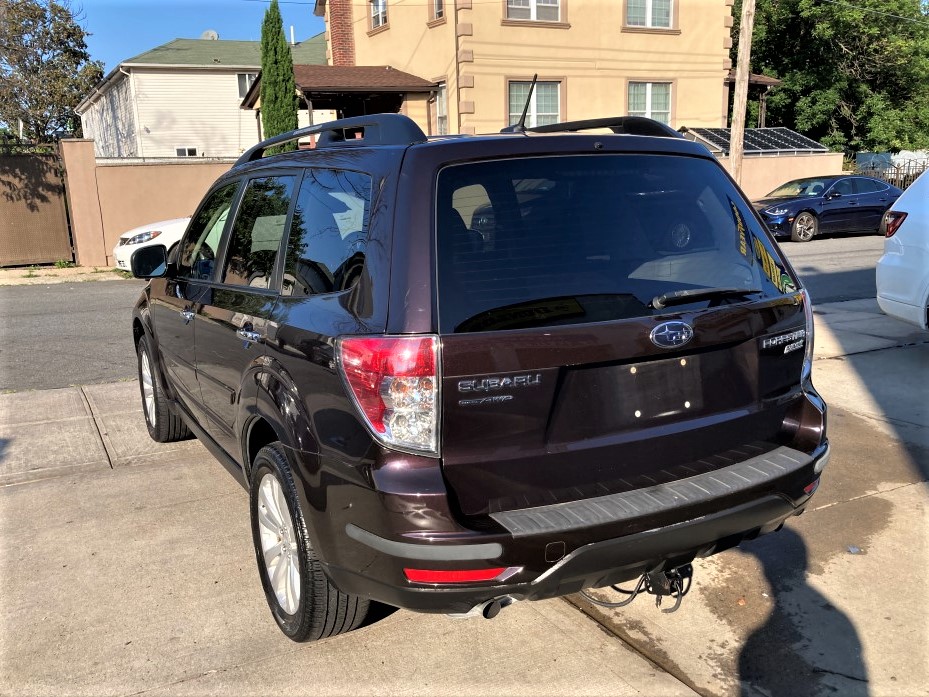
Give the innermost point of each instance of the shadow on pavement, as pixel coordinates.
(778, 660)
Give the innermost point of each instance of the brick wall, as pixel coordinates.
(341, 38)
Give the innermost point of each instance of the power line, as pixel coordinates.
(876, 12)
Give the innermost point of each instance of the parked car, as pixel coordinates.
(447, 422)
(165, 232)
(803, 208)
(903, 270)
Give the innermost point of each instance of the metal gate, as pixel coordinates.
(33, 212)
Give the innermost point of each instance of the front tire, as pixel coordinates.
(804, 228)
(304, 603)
(164, 426)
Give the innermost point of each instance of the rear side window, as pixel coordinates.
(257, 232)
(325, 250)
(564, 240)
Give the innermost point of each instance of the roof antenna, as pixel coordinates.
(520, 126)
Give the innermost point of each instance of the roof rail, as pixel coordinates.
(377, 129)
(629, 125)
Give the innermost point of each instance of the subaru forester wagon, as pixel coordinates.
(458, 372)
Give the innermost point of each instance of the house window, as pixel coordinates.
(650, 99)
(378, 13)
(544, 105)
(649, 13)
(538, 10)
(186, 152)
(441, 110)
(245, 82)
(438, 9)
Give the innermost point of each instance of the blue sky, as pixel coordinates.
(124, 28)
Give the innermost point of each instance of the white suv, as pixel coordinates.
(903, 271)
(166, 232)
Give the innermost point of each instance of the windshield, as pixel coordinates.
(572, 239)
(800, 187)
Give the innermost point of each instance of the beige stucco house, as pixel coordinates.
(182, 99)
(666, 59)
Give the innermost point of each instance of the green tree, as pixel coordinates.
(278, 90)
(45, 68)
(855, 73)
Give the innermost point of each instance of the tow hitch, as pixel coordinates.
(674, 583)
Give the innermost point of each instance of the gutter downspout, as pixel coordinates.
(135, 111)
(457, 68)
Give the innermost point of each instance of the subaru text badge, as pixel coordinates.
(671, 334)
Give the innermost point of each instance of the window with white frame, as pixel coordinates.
(186, 152)
(538, 10)
(544, 105)
(653, 14)
(245, 82)
(378, 13)
(650, 99)
(438, 9)
(441, 110)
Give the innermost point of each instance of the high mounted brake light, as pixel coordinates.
(394, 383)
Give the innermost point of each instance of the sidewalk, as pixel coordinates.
(39, 275)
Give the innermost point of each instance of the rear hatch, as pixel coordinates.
(608, 322)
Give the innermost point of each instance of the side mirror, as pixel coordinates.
(149, 262)
(834, 194)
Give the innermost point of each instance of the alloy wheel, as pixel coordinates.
(805, 226)
(278, 543)
(148, 389)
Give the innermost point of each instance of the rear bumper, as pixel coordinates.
(557, 550)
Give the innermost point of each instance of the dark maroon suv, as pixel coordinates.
(458, 372)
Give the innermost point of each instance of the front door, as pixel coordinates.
(839, 208)
(232, 321)
(175, 298)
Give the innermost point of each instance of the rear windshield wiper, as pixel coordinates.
(679, 297)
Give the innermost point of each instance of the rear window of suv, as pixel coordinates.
(545, 241)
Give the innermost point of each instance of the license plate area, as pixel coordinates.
(600, 400)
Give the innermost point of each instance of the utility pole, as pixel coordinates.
(741, 89)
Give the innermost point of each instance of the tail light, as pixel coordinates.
(892, 222)
(807, 371)
(394, 382)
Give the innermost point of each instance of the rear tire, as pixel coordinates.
(804, 228)
(164, 426)
(303, 601)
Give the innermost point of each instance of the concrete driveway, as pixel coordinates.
(126, 567)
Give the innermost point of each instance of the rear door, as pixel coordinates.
(566, 375)
(873, 200)
(232, 319)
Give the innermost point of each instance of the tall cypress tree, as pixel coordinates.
(278, 90)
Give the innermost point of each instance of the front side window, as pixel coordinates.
(544, 105)
(201, 242)
(843, 186)
(441, 110)
(257, 232)
(245, 82)
(538, 10)
(548, 241)
(378, 13)
(653, 14)
(325, 250)
(650, 99)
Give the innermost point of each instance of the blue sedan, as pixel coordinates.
(803, 208)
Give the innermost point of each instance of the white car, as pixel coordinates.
(903, 271)
(166, 232)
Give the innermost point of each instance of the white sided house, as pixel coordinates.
(183, 99)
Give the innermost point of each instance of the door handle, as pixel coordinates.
(187, 314)
(249, 336)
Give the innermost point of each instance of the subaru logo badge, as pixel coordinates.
(671, 334)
